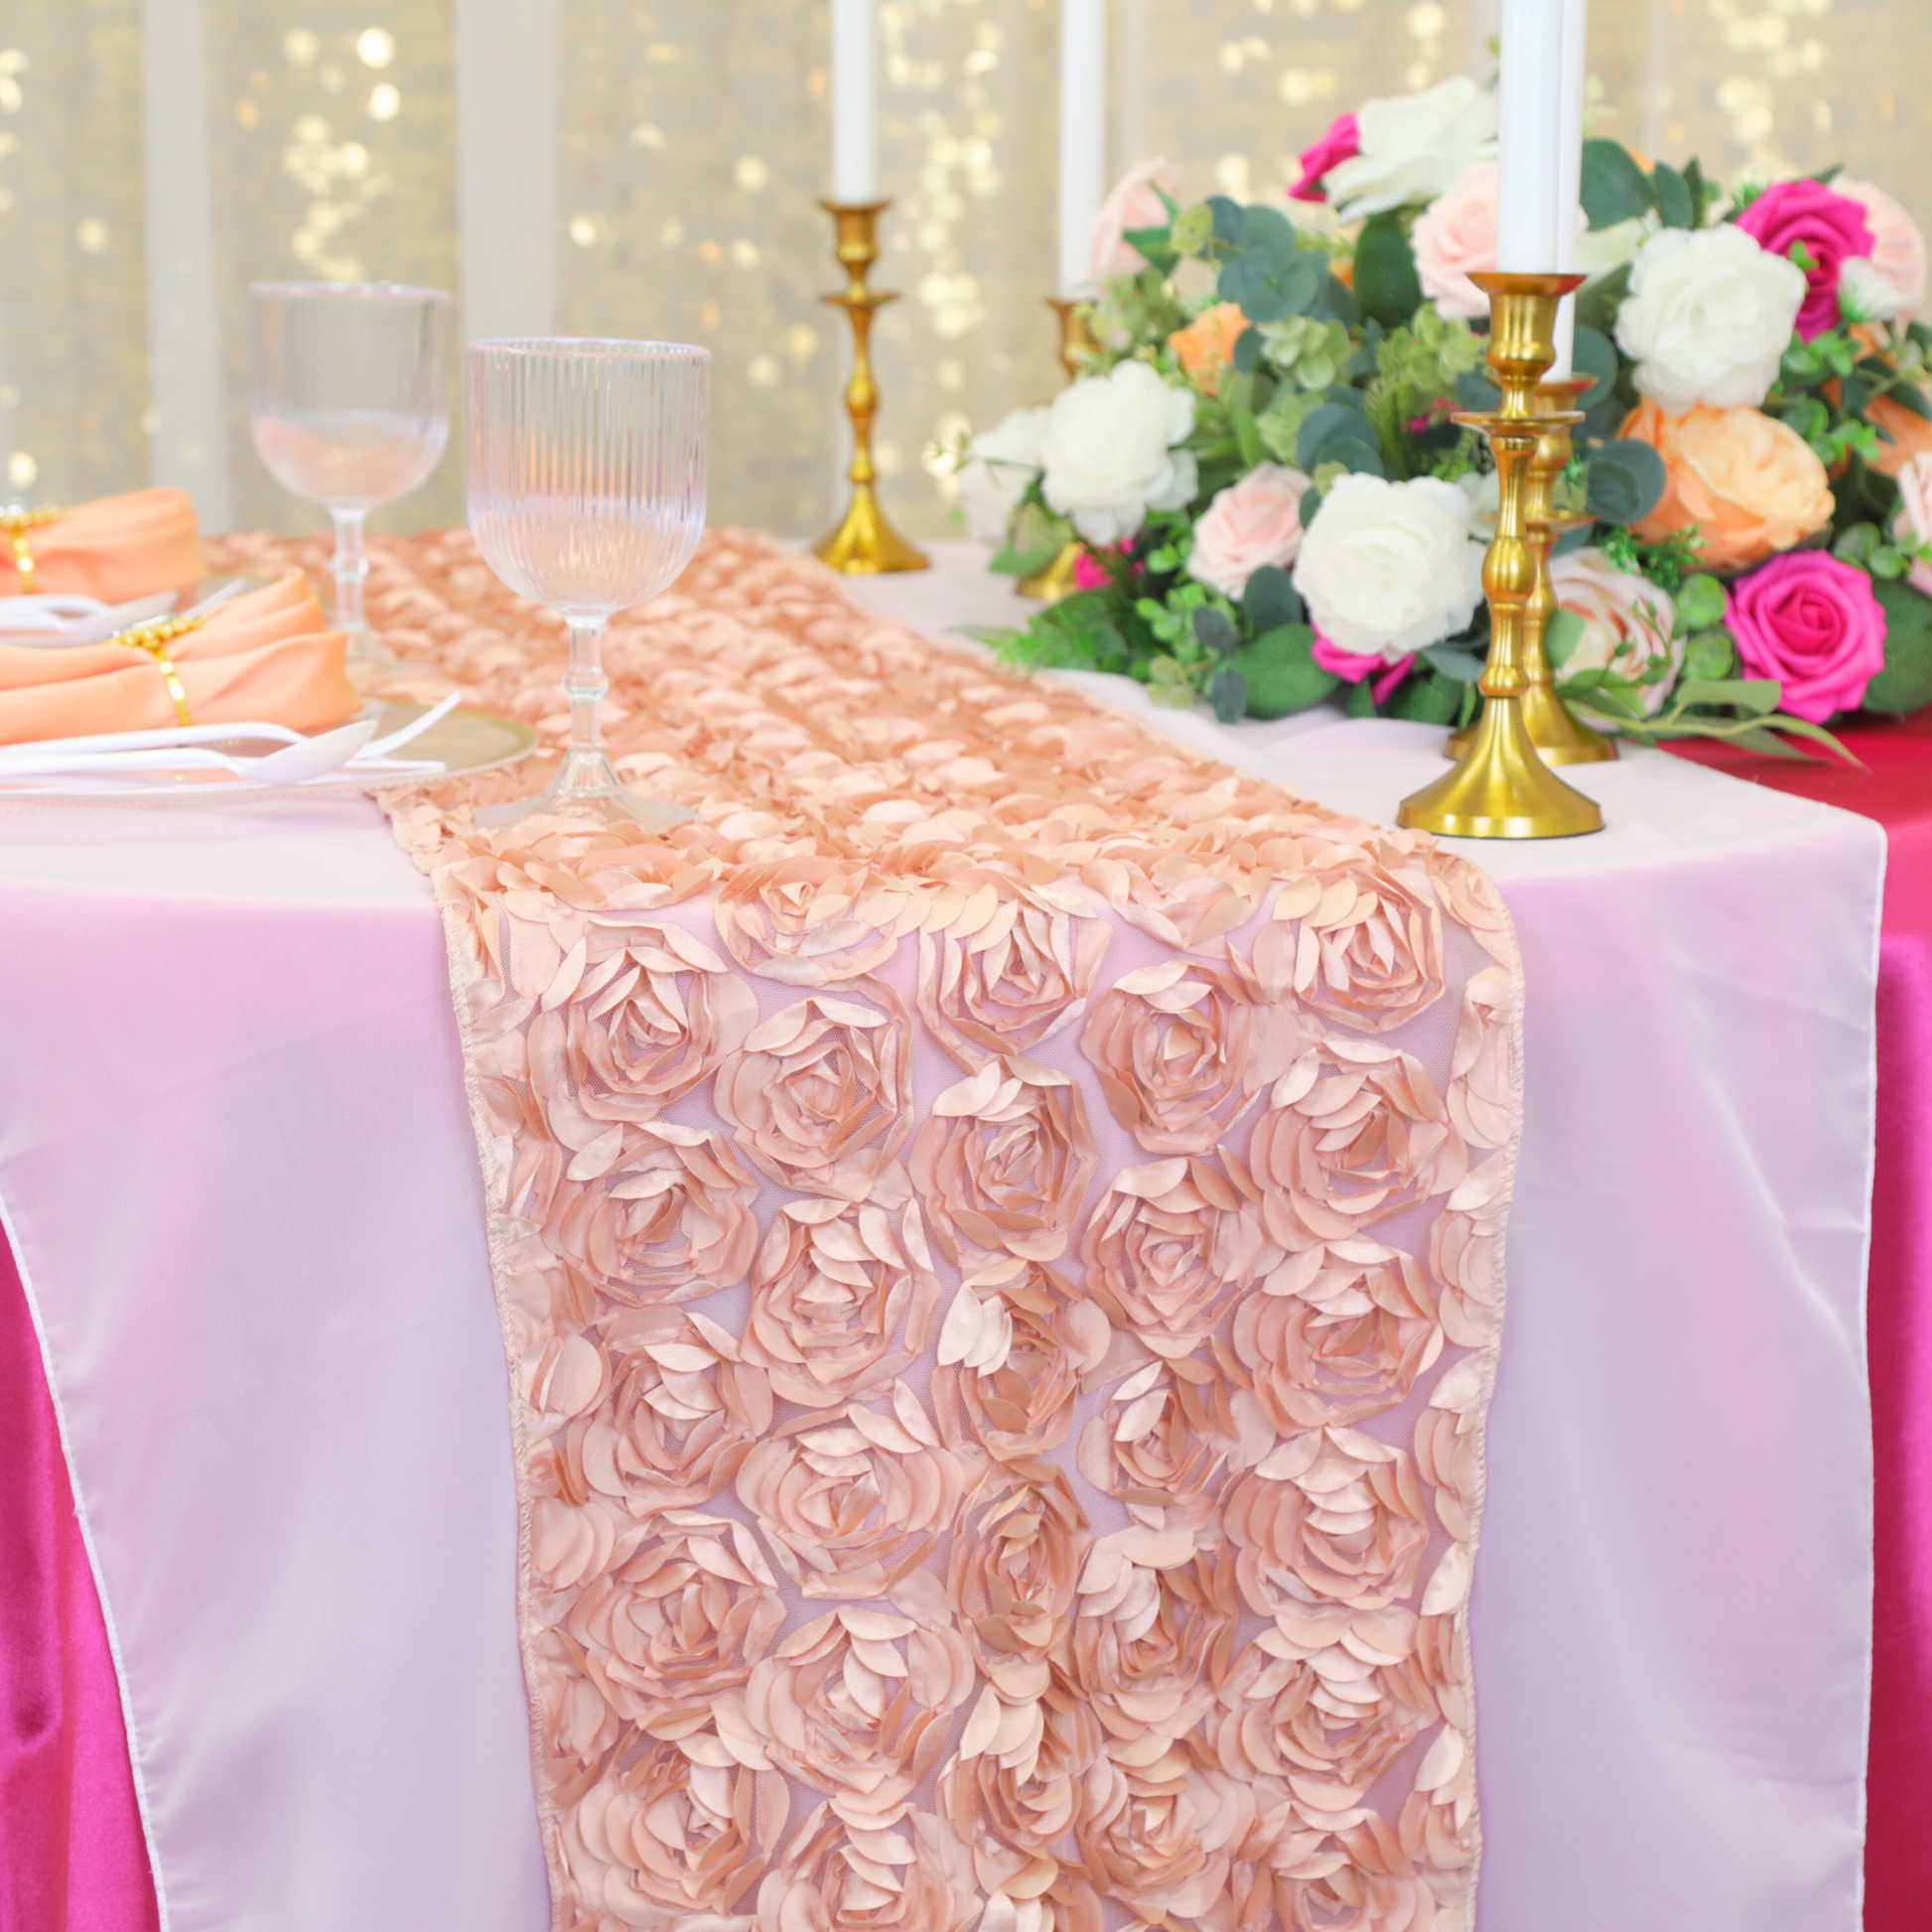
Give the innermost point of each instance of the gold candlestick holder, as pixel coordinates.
(1501, 788)
(1077, 343)
(865, 544)
(1556, 733)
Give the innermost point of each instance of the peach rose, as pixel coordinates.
(1181, 1050)
(1328, 1514)
(1003, 1161)
(811, 921)
(869, 1881)
(1333, 1341)
(1170, 1246)
(1005, 965)
(821, 1096)
(1356, 1879)
(1012, 1810)
(1182, 904)
(1168, 1432)
(1628, 623)
(1897, 246)
(1205, 347)
(1134, 204)
(1353, 1133)
(1255, 521)
(1356, 933)
(1910, 434)
(1145, 1840)
(854, 1500)
(1454, 238)
(1749, 483)
(840, 1304)
(1010, 1580)
(668, 1219)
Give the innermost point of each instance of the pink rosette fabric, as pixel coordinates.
(998, 1225)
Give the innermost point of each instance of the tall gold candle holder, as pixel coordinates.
(1077, 343)
(1555, 732)
(865, 544)
(1501, 788)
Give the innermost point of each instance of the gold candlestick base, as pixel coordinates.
(865, 544)
(1077, 344)
(1501, 788)
(1056, 580)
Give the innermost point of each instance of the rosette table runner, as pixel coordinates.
(998, 1228)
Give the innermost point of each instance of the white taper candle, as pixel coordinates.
(1569, 170)
(1084, 136)
(855, 105)
(1531, 93)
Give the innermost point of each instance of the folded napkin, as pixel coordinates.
(268, 657)
(113, 549)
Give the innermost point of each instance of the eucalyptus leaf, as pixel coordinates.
(1428, 700)
(1386, 282)
(1228, 694)
(1475, 395)
(1614, 188)
(1247, 350)
(1268, 286)
(1333, 433)
(1230, 220)
(1594, 357)
(1215, 630)
(1461, 666)
(1271, 600)
(1673, 195)
(1598, 301)
(1336, 302)
(1560, 641)
(1627, 481)
(1281, 673)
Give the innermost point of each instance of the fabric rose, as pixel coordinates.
(1749, 483)
(811, 921)
(1134, 204)
(1708, 318)
(869, 1881)
(656, 1213)
(821, 1096)
(1167, 1434)
(1170, 1246)
(1181, 1050)
(1205, 347)
(840, 1303)
(1359, 667)
(1011, 1581)
(1913, 522)
(855, 1500)
(1004, 965)
(1831, 229)
(1255, 521)
(1353, 1133)
(1356, 933)
(1012, 1808)
(1454, 238)
(1905, 433)
(1342, 141)
(1897, 244)
(1390, 568)
(1337, 1341)
(1329, 1514)
(1003, 1160)
(1110, 450)
(1001, 462)
(1815, 624)
(1414, 147)
(1628, 623)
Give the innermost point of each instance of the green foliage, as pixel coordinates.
(1905, 684)
(1280, 673)
(1269, 275)
(1386, 282)
(1310, 353)
(1614, 188)
(1627, 481)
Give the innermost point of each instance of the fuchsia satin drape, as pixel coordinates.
(71, 1855)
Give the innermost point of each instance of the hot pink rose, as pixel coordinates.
(1352, 666)
(1899, 247)
(1833, 228)
(1089, 575)
(1255, 521)
(1455, 237)
(1342, 141)
(1815, 624)
(1135, 203)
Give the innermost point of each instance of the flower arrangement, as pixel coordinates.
(1272, 503)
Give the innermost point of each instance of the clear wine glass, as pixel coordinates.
(350, 407)
(586, 493)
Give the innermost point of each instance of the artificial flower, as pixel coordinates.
(1111, 450)
(1628, 623)
(1898, 242)
(1815, 624)
(1253, 522)
(1205, 347)
(1342, 141)
(1828, 226)
(1135, 203)
(1414, 147)
(1359, 666)
(1001, 462)
(1455, 237)
(1866, 293)
(1913, 521)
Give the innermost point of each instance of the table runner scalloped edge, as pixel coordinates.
(1055, 1737)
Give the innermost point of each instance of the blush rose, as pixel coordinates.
(1253, 522)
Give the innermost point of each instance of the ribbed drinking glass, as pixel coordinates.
(350, 407)
(586, 493)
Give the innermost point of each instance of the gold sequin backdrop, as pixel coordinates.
(693, 139)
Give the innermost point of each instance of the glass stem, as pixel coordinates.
(585, 684)
(352, 567)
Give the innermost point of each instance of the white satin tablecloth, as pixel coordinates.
(238, 1172)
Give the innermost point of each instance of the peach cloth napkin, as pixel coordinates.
(265, 657)
(117, 548)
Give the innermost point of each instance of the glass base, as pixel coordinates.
(587, 786)
(368, 662)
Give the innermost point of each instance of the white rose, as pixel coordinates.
(1627, 622)
(1414, 148)
(1708, 318)
(1866, 293)
(1390, 568)
(1109, 453)
(1000, 463)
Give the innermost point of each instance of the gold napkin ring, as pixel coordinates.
(154, 639)
(17, 520)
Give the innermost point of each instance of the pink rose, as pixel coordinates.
(1135, 203)
(1899, 249)
(1255, 521)
(1089, 575)
(1352, 666)
(1815, 624)
(1342, 141)
(1833, 228)
(1913, 523)
(1455, 237)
